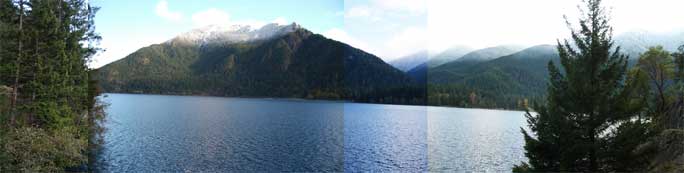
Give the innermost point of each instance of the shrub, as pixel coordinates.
(36, 150)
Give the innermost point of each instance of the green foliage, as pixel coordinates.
(505, 82)
(523, 167)
(657, 67)
(36, 150)
(623, 143)
(584, 101)
(45, 117)
(676, 112)
(669, 157)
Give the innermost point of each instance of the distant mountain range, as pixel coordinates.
(409, 62)
(632, 43)
(465, 60)
(508, 76)
(422, 58)
(290, 61)
(635, 42)
(445, 73)
(501, 82)
(420, 62)
(451, 54)
(271, 61)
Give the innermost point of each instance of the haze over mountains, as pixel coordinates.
(503, 82)
(459, 62)
(290, 61)
(507, 76)
(459, 57)
(421, 58)
(272, 61)
(636, 42)
(409, 62)
(451, 54)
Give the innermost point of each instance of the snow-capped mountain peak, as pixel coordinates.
(233, 33)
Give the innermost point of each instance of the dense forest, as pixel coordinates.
(600, 115)
(48, 109)
(589, 109)
(299, 64)
(507, 82)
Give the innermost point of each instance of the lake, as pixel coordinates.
(157, 133)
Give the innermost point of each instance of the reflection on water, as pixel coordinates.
(152, 133)
(171, 133)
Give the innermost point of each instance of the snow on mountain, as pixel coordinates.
(233, 33)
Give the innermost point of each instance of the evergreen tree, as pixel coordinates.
(45, 48)
(18, 57)
(585, 97)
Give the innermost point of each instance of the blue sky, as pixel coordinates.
(127, 25)
(395, 28)
(387, 28)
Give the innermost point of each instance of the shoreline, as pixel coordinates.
(310, 100)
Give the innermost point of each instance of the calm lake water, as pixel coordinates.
(155, 133)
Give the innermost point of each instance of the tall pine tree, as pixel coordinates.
(585, 98)
(45, 48)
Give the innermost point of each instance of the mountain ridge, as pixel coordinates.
(298, 64)
(410, 61)
(216, 34)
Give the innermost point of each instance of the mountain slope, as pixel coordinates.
(297, 64)
(455, 69)
(635, 42)
(524, 72)
(409, 62)
(487, 54)
(499, 83)
(419, 72)
(448, 55)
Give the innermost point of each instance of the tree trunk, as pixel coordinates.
(17, 64)
(593, 164)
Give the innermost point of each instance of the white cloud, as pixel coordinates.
(358, 11)
(410, 40)
(392, 28)
(412, 6)
(484, 23)
(378, 8)
(280, 20)
(654, 15)
(162, 10)
(120, 47)
(252, 23)
(343, 36)
(210, 16)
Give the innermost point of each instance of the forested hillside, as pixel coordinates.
(298, 64)
(507, 82)
(48, 110)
